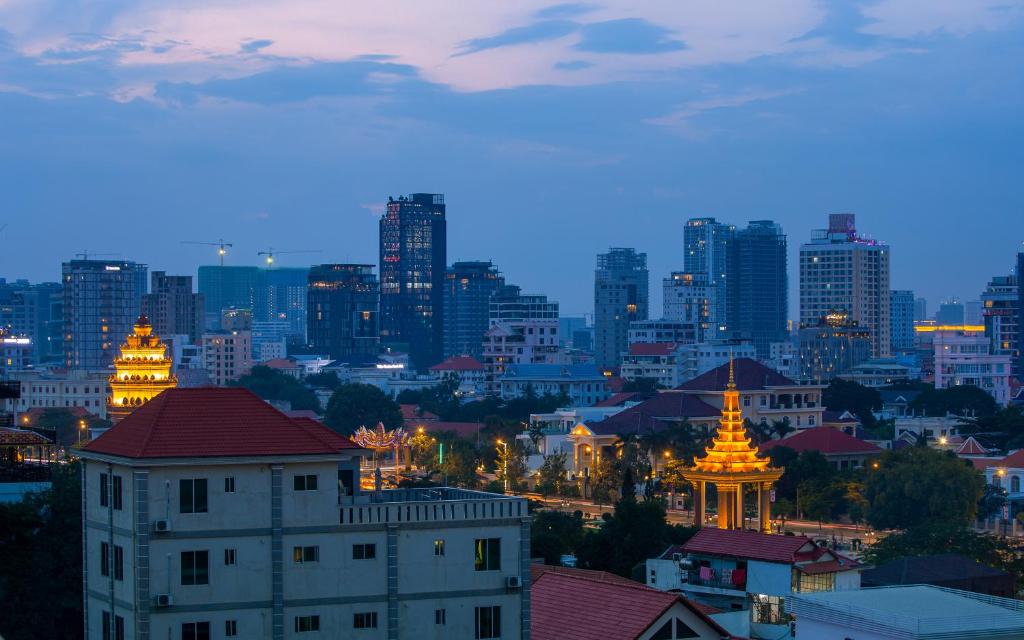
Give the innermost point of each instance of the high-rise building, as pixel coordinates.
(901, 320)
(413, 259)
(468, 287)
(1000, 315)
(225, 288)
(1020, 314)
(761, 286)
(621, 296)
(831, 348)
(688, 298)
(172, 308)
(972, 312)
(841, 271)
(921, 309)
(951, 313)
(102, 299)
(524, 330)
(35, 311)
(708, 249)
(280, 295)
(227, 355)
(343, 310)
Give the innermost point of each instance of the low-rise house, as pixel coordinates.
(879, 373)
(916, 612)
(576, 604)
(943, 570)
(737, 570)
(583, 384)
(842, 450)
(465, 371)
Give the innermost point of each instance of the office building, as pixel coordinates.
(1001, 315)
(509, 304)
(524, 330)
(621, 296)
(834, 346)
(211, 514)
(921, 310)
(15, 353)
(842, 271)
(227, 355)
(102, 299)
(343, 311)
(951, 313)
(567, 328)
(235, 319)
(963, 357)
(709, 250)
(901, 321)
(972, 312)
(413, 260)
(280, 296)
(468, 287)
(226, 288)
(688, 298)
(648, 331)
(35, 311)
(172, 308)
(1020, 315)
(761, 286)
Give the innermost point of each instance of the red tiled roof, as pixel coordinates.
(840, 564)
(971, 447)
(459, 363)
(824, 439)
(751, 375)
(411, 412)
(748, 544)
(210, 421)
(652, 348)
(569, 604)
(984, 463)
(280, 363)
(21, 438)
(617, 399)
(302, 413)
(537, 570)
(652, 414)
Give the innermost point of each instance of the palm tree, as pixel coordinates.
(782, 428)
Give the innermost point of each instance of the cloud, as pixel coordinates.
(537, 32)
(252, 46)
(680, 120)
(573, 65)
(628, 35)
(566, 10)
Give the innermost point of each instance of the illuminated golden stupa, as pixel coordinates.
(730, 464)
(143, 371)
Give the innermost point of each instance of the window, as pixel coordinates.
(118, 498)
(104, 490)
(305, 483)
(307, 623)
(106, 625)
(192, 495)
(195, 631)
(364, 620)
(195, 567)
(104, 559)
(488, 554)
(229, 484)
(230, 628)
(118, 628)
(306, 554)
(118, 563)
(438, 547)
(229, 556)
(818, 582)
(488, 622)
(440, 616)
(364, 551)
(767, 609)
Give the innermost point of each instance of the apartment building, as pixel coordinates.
(207, 513)
(963, 357)
(227, 355)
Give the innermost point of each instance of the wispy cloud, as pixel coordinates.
(681, 120)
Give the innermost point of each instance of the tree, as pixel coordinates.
(361, 405)
(605, 481)
(554, 534)
(846, 395)
(961, 400)
(325, 379)
(424, 451)
(642, 385)
(992, 500)
(635, 532)
(1006, 426)
(271, 384)
(41, 560)
(782, 428)
(552, 474)
(460, 463)
(918, 485)
(511, 463)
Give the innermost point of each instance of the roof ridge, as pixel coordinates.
(316, 433)
(620, 581)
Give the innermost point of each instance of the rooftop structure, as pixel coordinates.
(142, 371)
(842, 450)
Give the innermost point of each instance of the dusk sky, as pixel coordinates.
(554, 130)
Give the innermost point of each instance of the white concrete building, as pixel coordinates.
(965, 357)
(209, 514)
(583, 384)
(663, 362)
(466, 372)
(690, 299)
(60, 388)
(227, 355)
(515, 342)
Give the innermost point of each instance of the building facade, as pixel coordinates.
(102, 299)
(257, 527)
(1020, 315)
(280, 295)
(832, 347)
(227, 355)
(662, 362)
(951, 312)
(964, 357)
(1000, 315)
(582, 384)
(226, 287)
(413, 259)
(901, 321)
(44, 390)
(524, 329)
(709, 250)
(621, 296)
(344, 303)
(762, 285)
(468, 288)
(35, 311)
(839, 270)
(172, 308)
(690, 299)
(648, 331)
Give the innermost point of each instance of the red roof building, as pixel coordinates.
(414, 413)
(571, 604)
(841, 449)
(458, 363)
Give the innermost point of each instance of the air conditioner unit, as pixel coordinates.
(161, 526)
(162, 600)
(513, 582)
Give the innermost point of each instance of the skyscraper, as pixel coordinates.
(1020, 314)
(172, 308)
(760, 285)
(280, 295)
(413, 258)
(951, 313)
(225, 288)
(841, 271)
(901, 318)
(468, 288)
(343, 303)
(1000, 314)
(620, 296)
(35, 311)
(920, 309)
(102, 299)
(708, 249)
(688, 298)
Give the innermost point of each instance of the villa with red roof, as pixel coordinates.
(842, 450)
(466, 371)
(208, 513)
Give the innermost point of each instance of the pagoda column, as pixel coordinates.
(698, 503)
(764, 511)
(739, 507)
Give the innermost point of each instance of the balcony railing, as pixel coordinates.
(431, 505)
(718, 581)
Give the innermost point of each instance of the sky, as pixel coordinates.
(555, 130)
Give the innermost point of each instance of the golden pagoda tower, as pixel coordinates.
(143, 371)
(730, 464)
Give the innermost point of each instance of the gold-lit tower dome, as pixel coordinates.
(731, 463)
(143, 370)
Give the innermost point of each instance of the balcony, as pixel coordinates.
(440, 504)
(718, 582)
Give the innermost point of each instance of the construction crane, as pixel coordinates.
(270, 253)
(222, 247)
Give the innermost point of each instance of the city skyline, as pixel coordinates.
(702, 111)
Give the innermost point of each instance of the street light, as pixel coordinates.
(81, 430)
(504, 463)
(943, 440)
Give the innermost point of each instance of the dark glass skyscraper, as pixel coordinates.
(413, 259)
(36, 311)
(102, 300)
(1020, 313)
(621, 295)
(760, 292)
(468, 287)
(708, 249)
(280, 295)
(342, 310)
(226, 287)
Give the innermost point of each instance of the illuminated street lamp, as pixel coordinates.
(943, 440)
(81, 430)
